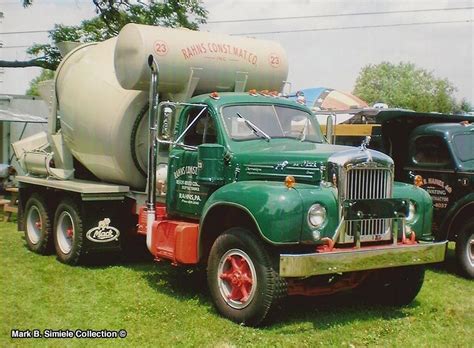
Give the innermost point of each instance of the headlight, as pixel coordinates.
(411, 212)
(316, 215)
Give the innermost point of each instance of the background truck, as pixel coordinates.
(242, 183)
(439, 148)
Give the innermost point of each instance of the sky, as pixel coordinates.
(320, 51)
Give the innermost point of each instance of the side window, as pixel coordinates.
(431, 150)
(203, 131)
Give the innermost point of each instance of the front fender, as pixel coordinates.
(424, 208)
(457, 207)
(276, 209)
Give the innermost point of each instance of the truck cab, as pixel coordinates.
(250, 133)
(438, 151)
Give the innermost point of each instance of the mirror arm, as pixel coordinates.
(190, 125)
(186, 147)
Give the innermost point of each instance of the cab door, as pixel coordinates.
(430, 157)
(185, 196)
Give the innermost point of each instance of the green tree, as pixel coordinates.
(112, 16)
(464, 106)
(46, 74)
(405, 86)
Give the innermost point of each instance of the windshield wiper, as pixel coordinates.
(257, 131)
(303, 131)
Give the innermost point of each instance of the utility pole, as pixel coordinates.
(2, 70)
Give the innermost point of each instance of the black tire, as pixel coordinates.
(37, 225)
(252, 299)
(394, 286)
(465, 249)
(68, 232)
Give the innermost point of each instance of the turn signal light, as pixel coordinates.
(253, 92)
(418, 180)
(290, 181)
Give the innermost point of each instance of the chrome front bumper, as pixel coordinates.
(362, 259)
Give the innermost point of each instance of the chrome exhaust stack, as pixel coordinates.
(153, 148)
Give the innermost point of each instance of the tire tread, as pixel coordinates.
(256, 313)
(461, 244)
(77, 248)
(45, 243)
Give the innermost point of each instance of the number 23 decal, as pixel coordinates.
(274, 60)
(161, 48)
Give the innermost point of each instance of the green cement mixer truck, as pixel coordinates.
(181, 136)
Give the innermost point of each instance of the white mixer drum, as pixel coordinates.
(97, 115)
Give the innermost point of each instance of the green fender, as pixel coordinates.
(276, 209)
(326, 196)
(424, 208)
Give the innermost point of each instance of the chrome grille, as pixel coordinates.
(370, 230)
(368, 183)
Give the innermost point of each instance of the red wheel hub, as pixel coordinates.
(38, 224)
(239, 278)
(70, 232)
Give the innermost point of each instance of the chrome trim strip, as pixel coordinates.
(258, 166)
(303, 168)
(307, 265)
(421, 169)
(281, 175)
(341, 228)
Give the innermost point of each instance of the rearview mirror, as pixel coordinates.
(166, 113)
(330, 129)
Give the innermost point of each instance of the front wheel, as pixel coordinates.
(242, 281)
(465, 249)
(68, 232)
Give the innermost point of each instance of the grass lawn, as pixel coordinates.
(163, 306)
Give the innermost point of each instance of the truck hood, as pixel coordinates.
(274, 160)
(274, 151)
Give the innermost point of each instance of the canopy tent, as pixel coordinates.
(322, 98)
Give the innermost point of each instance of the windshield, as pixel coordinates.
(274, 121)
(464, 143)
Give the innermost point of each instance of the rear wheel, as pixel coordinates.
(242, 280)
(465, 249)
(394, 286)
(68, 232)
(37, 225)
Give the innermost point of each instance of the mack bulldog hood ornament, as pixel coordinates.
(365, 143)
